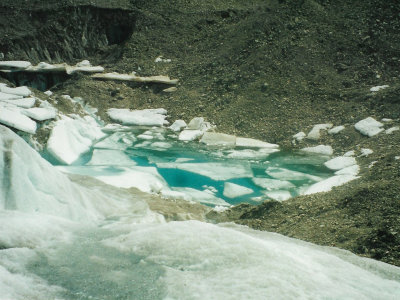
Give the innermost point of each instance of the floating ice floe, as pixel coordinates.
(392, 129)
(15, 119)
(205, 196)
(19, 91)
(285, 174)
(272, 184)
(110, 157)
(336, 130)
(320, 149)
(23, 103)
(145, 117)
(218, 139)
(70, 138)
(178, 125)
(213, 170)
(17, 64)
(369, 127)
(233, 190)
(279, 195)
(133, 77)
(340, 162)
(327, 184)
(378, 88)
(40, 114)
(315, 133)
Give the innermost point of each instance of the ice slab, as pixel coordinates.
(15, 119)
(369, 127)
(286, 174)
(110, 157)
(327, 184)
(70, 138)
(233, 190)
(117, 141)
(340, 162)
(272, 184)
(40, 114)
(320, 149)
(378, 88)
(5, 96)
(392, 129)
(14, 64)
(279, 195)
(145, 117)
(132, 77)
(352, 170)
(336, 130)
(19, 91)
(299, 136)
(178, 125)
(365, 152)
(261, 153)
(253, 143)
(213, 170)
(23, 103)
(315, 133)
(205, 196)
(190, 135)
(218, 139)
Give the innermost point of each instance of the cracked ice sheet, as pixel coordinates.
(215, 171)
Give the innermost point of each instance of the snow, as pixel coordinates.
(233, 190)
(315, 134)
(327, 184)
(178, 125)
(145, 117)
(20, 91)
(218, 139)
(392, 129)
(15, 119)
(336, 130)
(299, 136)
(279, 195)
(40, 114)
(24, 102)
(340, 162)
(320, 149)
(378, 88)
(252, 143)
(6, 96)
(15, 64)
(213, 170)
(369, 127)
(286, 174)
(70, 138)
(272, 184)
(366, 152)
(190, 135)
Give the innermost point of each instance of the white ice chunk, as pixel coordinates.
(253, 143)
(190, 135)
(386, 120)
(23, 103)
(178, 125)
(340, 162)
(20, 91)
(366, 152)
(320, 149)
(48, 93)
(14, 64)
(315, 134)
(40, 114)
(250, 153)
(117, 141)
(286, 174)
(161, 145)
(15, 119)
(145, 136)
(272, 184)
(349, 153)
(196, 123)
(378, 88)
(218, 139)
(336, 130)
(205, 196)
(213, 170)
(327, 184)
(145, 117)
(279, 195)
(233, 190)
(101, 157)
(70, 138)
(5, 96)
(369, 127)
(392, 129)
(299, 136)
(352, 170)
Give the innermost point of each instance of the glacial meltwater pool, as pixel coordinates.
(154, 160)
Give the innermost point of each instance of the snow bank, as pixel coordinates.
(6, 96)
(369, 127)
(145, 117)
(20, 91)
(70, 138)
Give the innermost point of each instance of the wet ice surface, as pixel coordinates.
(86, 240)
(153, 160)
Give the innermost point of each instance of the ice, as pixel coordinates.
(213, 170)
(272, 184)
(378, 88)
(5, 96)
(218, 139)
(205, 196)
(48, 93)
(161, 145)
(249, 153)
(14, 64)
(365, 152)
(133, 77)
(24, 102)
(117, 141)
(327, 184)
(190, 135)
(340, 162)
(315, 134)
(196, 124)
(279, 195)
(285, 174)
(19, 91)
(299, 136)
(349, 153)
(40, 114)
(206, 261)
(70, 138)
(252, 143)
(110, 157)
(15, 119)
(369, 127)
(392, 129)
(336, 130)
(178, 125)
(145, 117)
(233, 190)
(320, 149)
(352, 170)
(145, 137)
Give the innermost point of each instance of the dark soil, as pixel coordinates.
(256, 68)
